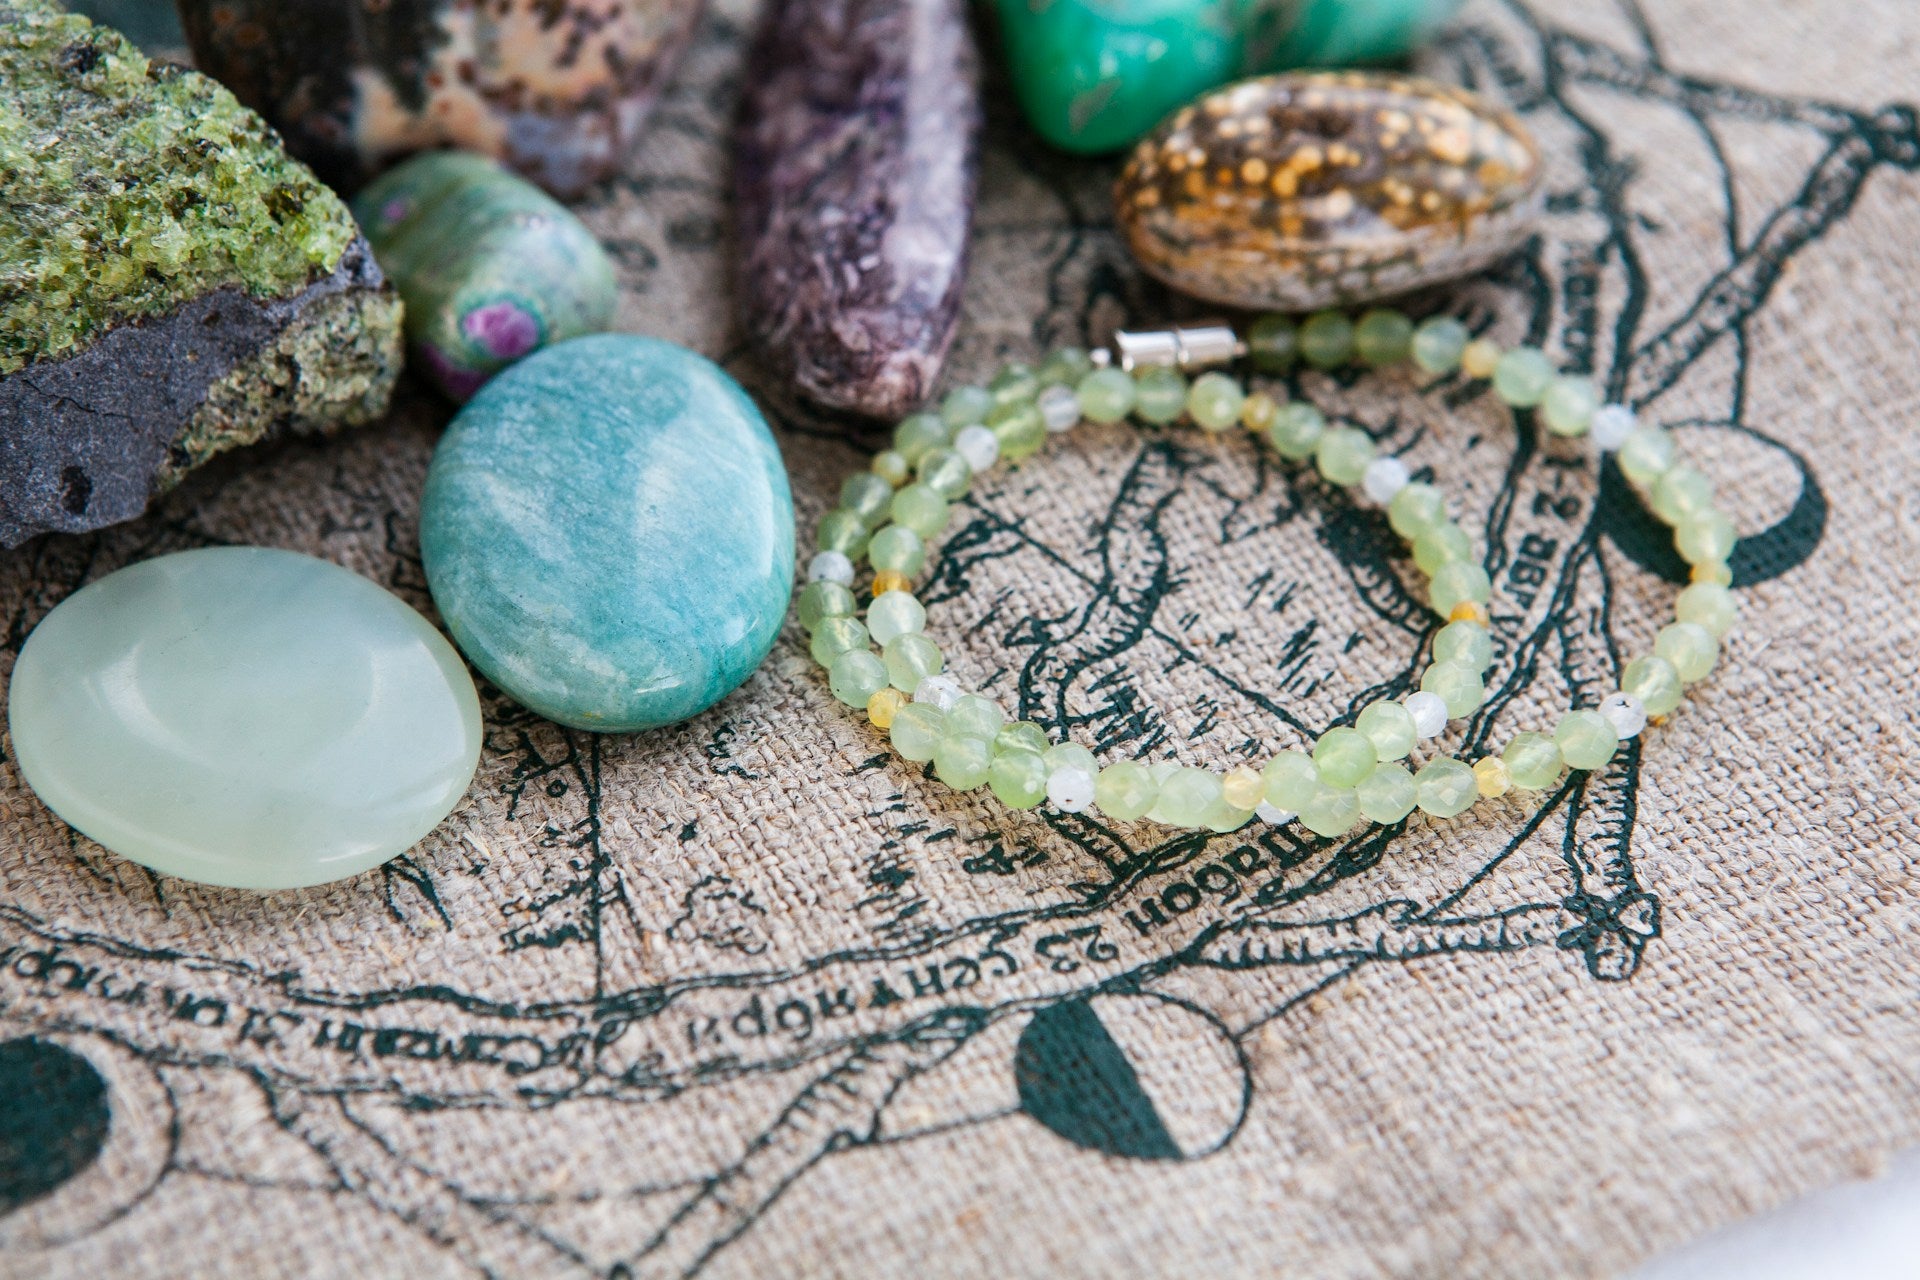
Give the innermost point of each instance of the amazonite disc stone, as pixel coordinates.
(244, 716)
(608, 533)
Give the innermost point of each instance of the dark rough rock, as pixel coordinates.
(557, 89)
(91, 439)
(854, 178)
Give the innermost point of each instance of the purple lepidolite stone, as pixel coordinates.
(854, 177)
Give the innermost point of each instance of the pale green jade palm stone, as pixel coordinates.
(245, 717)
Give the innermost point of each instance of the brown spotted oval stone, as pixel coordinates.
(1306, 190)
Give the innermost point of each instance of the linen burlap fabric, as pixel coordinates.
(752, 997)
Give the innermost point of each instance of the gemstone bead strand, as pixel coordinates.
(889, 514)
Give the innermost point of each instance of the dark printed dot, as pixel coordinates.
(53, 1119)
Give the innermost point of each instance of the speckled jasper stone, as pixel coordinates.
(1308, 190)
(854, 171)
(608, 533)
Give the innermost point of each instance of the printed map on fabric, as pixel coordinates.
(752, 996)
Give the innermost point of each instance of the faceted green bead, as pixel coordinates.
(1690, 647)
(834, 636)
(975, 715)
(1522, 376)
(1710, 605)
(1125, 790)
(1223, 817)
(867, 496)
(1344, 757)
(1587, 739)
(1466, 643)
(1457, 582)
(1646, 455)
(1106, 395)
(843, 531)
(1021, 735)
(1273, 343)
(1445, 787)
(1214, 401)
(1292, 778)
(1389, 727)
(1186, 796)
(1017, 383)
(965, 406)
(1343, 454)
(1065, 367)
(1383, 337)
(919, 433)
(1652, 679)
(916, 731)
(856, 676)
(1418, 508)
(1567, 408)
(1387, 794)
(1296, 430)
(898, 548)
(1071, 755)
(1681, 494)
(1020, 429)
(1460, 687)
(911, 658)
(891, 467)
(945, 472)
(920, 509)
(1018, 778)
(1326, 340)
(1438, 342)
(895, 614)
(1706, 539)
(1533, 761)
(961, 760)
(1330, 811)
(819, 600)
(1159, 394)
(1440, 546)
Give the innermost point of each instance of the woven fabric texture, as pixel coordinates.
(751, 997)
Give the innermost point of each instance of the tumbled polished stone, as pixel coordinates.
(244, 716)
(853, 256)
(1307, 190)
(608, 533)
(490, 266)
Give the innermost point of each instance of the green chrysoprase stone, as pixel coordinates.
(608, 533)
(244, 716)
(490, 266)
(1094, 75)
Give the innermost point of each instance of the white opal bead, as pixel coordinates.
(1626, 713)
(979, 446)
(1272, 816)
(1059, 408)
(1610, 426)
(1383, 478)
(942, 691)
(1070, 789)
(1429, 712)
(830, 566)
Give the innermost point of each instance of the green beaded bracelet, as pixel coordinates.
(889, 514)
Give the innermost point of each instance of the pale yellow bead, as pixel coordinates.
(890, 580)
(1491, 777)
(1480, 358)
(1243, 788)
(882, 706)
(1258, 411)
(1470, 611)
(1714, 571)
